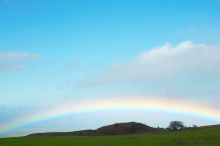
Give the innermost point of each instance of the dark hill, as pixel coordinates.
(125, 128)
(115, 129)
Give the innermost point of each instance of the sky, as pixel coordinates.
(78, 64)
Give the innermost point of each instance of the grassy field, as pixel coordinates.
(204, 137)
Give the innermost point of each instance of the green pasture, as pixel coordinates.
(197, 137)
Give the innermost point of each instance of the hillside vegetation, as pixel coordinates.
(114, 129)
(206, 136)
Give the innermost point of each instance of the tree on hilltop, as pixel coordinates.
(176, 126)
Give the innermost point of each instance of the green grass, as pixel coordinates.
(197, 137)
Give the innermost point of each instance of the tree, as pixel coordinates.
(194, 126)
(176, 126)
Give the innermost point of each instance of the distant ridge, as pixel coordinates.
(114, 129)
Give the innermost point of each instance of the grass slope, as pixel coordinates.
(208, 136)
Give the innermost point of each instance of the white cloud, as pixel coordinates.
(14, 67)
(14, 56)
(15, 61)
(163, 63)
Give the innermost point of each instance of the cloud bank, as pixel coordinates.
(15, 61)
(165, 62)
(11, 56)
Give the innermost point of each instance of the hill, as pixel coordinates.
(204, 136)
(114, 129)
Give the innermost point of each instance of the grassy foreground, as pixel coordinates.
(204, 137)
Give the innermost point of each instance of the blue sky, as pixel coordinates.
(71, 50)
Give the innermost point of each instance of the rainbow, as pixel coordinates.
(118, 103)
